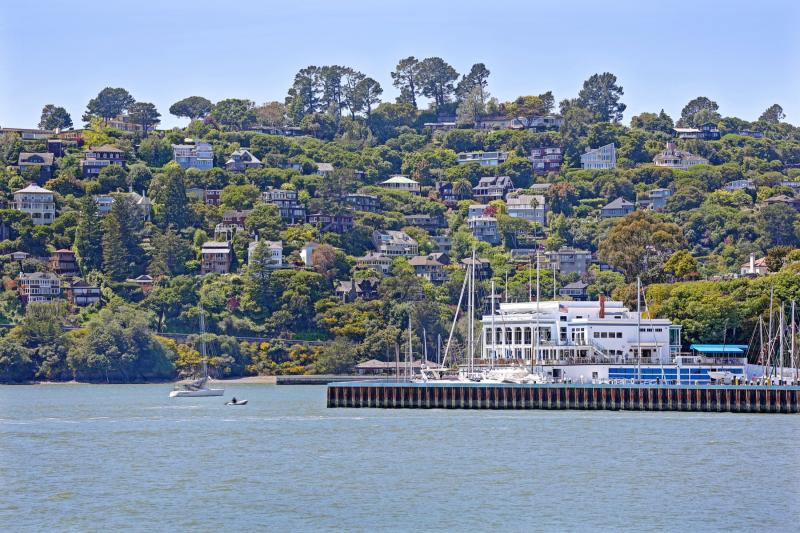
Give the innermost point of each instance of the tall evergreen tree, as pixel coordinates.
(170, 253)
(175, 211)
(115, 263)
(89, 236)
(54, 117)
(122, 254)
(600, 95)
(404, 77)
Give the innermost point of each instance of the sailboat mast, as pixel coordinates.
(494, 340)
(424, 345)
(535, 352)
(638, 329)
(410, 356)
(472, 315)
(792, 348)
(782, 326)
(203, 340)
(530, 284)
(769, 331)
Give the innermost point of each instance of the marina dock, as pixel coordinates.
(611, 397)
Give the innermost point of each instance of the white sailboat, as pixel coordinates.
(198, 388)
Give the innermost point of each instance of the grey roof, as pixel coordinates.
(325, 167)
(619, 203)
(526, 200)
(46, 156)
(242, 152)
(580, 285)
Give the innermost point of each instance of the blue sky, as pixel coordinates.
(743, 54)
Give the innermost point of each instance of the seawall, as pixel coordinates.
(717, 398)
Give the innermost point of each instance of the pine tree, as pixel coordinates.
(89, 236)
(115, 264)
(122, 254)
(176, 211)
(170, 253)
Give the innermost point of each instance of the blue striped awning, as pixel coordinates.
(733, 349)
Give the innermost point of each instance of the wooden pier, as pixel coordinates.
(611, 397)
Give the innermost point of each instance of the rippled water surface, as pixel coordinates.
(98, 458)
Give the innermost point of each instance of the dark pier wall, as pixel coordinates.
(741, 399)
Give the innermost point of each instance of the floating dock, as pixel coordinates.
(610, 397)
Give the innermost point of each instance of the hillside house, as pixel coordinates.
(41, 163)
(332, 222)
(484, 159)
(602, 158)
(81, 294)
(363, 202)
(617, 208)
(483, 268)
(546, 160)
(324, 169)
(63, 263)
(783, 199)
(577, 290)
(492, 188)
(37, 201)
(705, 132)
(450, 195)
(241, 160)
(754, 267)
(401, 183)
(96, 158)
(394, 243)
(38, 287)
(736, 185)
(125, 123)
(484, 228)
(288, 204)
(199, 155)
(431, 267)
(569, 260)
(531, 207)
(275, 253)
(375, 261)
(215, 257)
(656, 199)
(430, 223)
(673, 158)
(357, 289)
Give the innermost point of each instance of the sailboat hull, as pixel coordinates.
(196, 393)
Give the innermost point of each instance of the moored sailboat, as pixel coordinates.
(198, 388)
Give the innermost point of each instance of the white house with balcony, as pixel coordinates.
(38, 286)
(603, 158)
(394, 243)
(484, 228)
(38, 202)
(531, 207)
(274, 258)
(197, 155)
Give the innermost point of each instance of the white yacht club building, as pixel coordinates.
(572, 332)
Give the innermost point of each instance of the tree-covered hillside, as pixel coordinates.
(333, 136)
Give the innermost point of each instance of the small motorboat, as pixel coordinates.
(237, 402)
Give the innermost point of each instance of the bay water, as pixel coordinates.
(106, 457)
